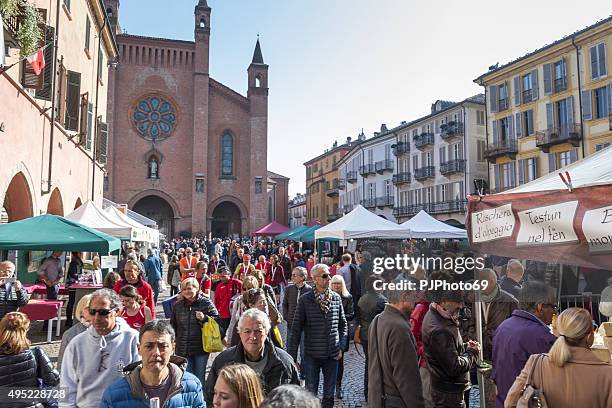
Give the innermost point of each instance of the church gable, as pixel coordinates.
(231, 96)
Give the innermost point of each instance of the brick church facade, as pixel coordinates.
(185, 149)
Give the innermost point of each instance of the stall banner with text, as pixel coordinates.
(549, 226)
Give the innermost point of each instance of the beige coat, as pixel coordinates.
(584, 381)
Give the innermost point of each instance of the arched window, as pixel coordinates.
(227, 155)
(109, 12)
(153, 168)
(257, 81)
(202, 23)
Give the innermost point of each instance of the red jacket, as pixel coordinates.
(416, 321)
(224, 293)
(279, 275)
(144, 289)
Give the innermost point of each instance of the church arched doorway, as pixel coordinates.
(55, 206)
(159, 210)
(226, 220)
(17, 203)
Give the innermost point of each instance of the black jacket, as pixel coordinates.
(290, 301)
(285, 262)
(24, 369)
(279, 369)
(10, 299)
(326, 334)
(189, 329)
(448, 359)
(370, 305)
(349, 307)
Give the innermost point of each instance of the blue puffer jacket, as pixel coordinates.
(128, 392)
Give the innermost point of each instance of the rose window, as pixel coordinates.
(154, 118)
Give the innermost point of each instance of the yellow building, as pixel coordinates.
(323, 184)
(550, 107)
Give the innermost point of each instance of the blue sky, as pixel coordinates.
(338, 66)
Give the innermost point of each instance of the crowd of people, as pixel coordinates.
(420, 347)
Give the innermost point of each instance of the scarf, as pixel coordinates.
(445, 313)
(323, 299)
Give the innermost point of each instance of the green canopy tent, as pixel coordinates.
(307, 235)
(289, 234)
(52, 232)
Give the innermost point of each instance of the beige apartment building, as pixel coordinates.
(550, 107)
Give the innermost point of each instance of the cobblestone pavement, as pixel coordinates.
(352, 384)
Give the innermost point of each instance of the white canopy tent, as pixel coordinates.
(424, 225)
(361, 223)
(92, 216)
(144, 233)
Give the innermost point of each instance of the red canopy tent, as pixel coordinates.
(273, 228)
(564, 217)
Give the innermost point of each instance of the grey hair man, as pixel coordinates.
(290, 396)
(12, 293)
(97, 357)
(320, 316)
(514, 274)
(160, 374)
(274, 366)
(390, 335)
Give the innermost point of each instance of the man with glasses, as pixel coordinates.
(320, 316)
(273, 365)
(134, 278)
(12, 293)
(97, 357)
(526, 332)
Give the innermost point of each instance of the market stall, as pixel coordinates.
(140, 232)
(43, 309)
(271, 229)
(91, 215)
(361, 223)
(424, 225)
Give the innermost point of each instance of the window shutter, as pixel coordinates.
(495, 135)
(83, 134)
(610, 98)
(511, 127)
(101, 141)
(47, 74)
(90, 123)
(437, 125)
(530, 129)
(549, 116)
(519, 125)
(521, 172)
(442, 155)
(570, 109)
(493, 98)
(573, 155)
(587, 108)
(460, 150)
(73, 96)
(594, 63)
(29, 79)
(517, 90)
(497, 175)
(547, 79)
(535, 90)
(603, 69)
(552, 162)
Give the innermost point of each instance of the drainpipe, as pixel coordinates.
(467, 168)
(487, 139)
(53, 97)
(579, 95)
(95, 118)
(397, 197)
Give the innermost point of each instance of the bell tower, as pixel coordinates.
(112, 11)
(202, 36)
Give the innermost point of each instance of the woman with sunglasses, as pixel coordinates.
(188, 316)
(135, 312)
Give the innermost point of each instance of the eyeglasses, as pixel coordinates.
(325, 276)
(553, 306)
(101, 312)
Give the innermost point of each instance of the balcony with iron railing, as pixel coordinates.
(424, 173)
(452, 166)
(333, 216)
(411, 210)
(567, 133)
(560, 84)
(385, 201)
(367, 169)
(423, 140)
(449, 206)
(351, 176)
(402, 178)
(450, 130)
(400, 148)
(527, 95)
(384, 165)
(369, 203)
(348, 208)
(502, 148)
(333, 189)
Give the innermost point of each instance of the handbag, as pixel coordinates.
(532, 397)
(357, 336)
(211, 336)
